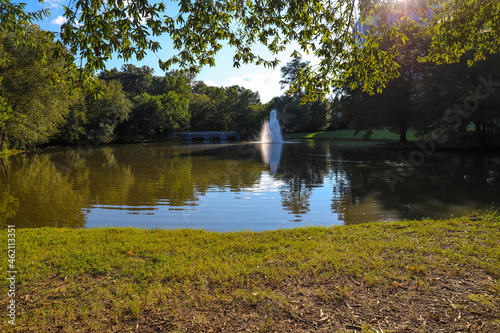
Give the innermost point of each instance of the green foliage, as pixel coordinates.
(107, 106)
(458, 27)
(73, 129)
(147, 113)
(16, 20)
(298, 113)
(175, 113)
(34, 93)
(5, 112)
(202, 111)
(362, 46)
(391, 108)
(160, 104)
(290, 74)
(160, 114)
(134, 80)
(450, 96)
(225, 109)
(344, 35)
(292, 114)
(97, 29)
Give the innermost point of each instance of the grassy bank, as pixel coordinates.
(10, 152)
(413, 276)
(378, 135)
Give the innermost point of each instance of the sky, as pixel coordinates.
(256, 78)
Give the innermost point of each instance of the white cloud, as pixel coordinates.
(59, 20)
(266, 83)
(211, 83)
(52, 3)
(256, 78)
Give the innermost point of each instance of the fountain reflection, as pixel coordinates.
(271, 154)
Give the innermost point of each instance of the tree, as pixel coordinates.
(290, 74)
(392, 108)
(147, 114)
(17, 21)
(175, 112)
(238, 110)
(331, 30)
(34, 96)
(201, 108)
(297, 115)
(389, 109)
(76, 120)
(225, 109)
(134, 80)
(463, 26)
(160, 114)
(161, 107)
(107, 106)
(451, 96)
(172, 81)
(5, 114)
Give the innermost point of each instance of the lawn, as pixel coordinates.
(409, 276)
(346, 135)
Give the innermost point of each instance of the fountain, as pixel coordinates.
(271, 132)
(271, 142)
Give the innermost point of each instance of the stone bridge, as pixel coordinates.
(210, 136)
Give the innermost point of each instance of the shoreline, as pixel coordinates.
(467, 143)
(424, 275)
(11, 152)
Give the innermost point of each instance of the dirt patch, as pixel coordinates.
(459, 302)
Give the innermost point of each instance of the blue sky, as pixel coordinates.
(256, 78)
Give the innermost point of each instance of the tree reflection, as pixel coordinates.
(295, 196)
(9, 206)
(446, 184)
(301, 171)
(59, 188)
(39, 195)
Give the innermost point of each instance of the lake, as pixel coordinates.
(240, 186)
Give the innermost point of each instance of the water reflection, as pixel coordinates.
(271, 154)
(33, 193)
(228, 187)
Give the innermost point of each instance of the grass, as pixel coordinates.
(347, 135)
(10, 152)
(424, 275)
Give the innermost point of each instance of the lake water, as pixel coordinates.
(239, 186)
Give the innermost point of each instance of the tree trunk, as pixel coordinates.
(482, 140)
(402, 135)
(477, 125)
(2, 145)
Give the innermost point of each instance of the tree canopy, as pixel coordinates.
(393, 47)
(334, 31)
(34, 98)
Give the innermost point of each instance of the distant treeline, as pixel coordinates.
(44, 102)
